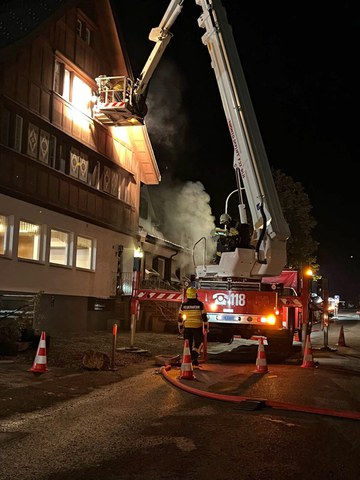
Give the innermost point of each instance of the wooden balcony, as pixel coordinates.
(31, 181)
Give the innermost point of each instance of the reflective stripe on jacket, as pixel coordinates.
(192, 313)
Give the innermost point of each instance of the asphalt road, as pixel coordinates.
(143, 427)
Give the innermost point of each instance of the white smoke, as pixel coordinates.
(185, 216)
(183, 209)
(166, 119)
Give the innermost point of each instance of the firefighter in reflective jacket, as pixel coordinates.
(193, 322)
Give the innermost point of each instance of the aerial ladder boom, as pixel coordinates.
(265, 252)
(252, 169)
(121, 100)
(161, 35)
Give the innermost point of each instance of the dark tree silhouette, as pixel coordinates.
(295, 203)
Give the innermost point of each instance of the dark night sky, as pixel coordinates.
(300, 62)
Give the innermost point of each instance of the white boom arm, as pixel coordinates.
(121, 101)
(265, 255)
(161, 35)
(252, 169)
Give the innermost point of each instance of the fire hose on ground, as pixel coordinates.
(242, 399)
(266, 403)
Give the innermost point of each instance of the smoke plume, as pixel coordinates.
(166, 119)
(185, 216)
(182, 208)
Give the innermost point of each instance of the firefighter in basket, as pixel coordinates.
(228, 237)
(193, 322)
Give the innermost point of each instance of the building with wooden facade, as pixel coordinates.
(69, 183)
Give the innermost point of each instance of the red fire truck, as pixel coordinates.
(247, 292)
(272, 308)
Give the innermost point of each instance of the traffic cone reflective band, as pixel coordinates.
(308, 361)
(341, 341)
(39, 365)
(261, 365)
(186, 365)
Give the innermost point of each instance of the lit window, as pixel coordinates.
(66, 85)
(84, 253)
(29, 241)
(3, 234)
(62, 80)
(81, 95)
(72, 88)
(58, 77)
(59, 247)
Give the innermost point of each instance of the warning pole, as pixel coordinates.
(325, 316)
(306, 278)
(134, 302)
(114, 332)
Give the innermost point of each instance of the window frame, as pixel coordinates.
(8, 236)
(93, 253)
(40, 241)
(70, 248)
(79, 27)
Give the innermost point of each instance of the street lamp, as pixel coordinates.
(138, 255)
(135, 304)
(134, 301)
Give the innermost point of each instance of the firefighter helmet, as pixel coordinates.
(225, 218)
(191, 292)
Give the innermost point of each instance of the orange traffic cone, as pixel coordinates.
(39, 365)
(261, 365)
(308, 361)
(341, 341)
(186, 364)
